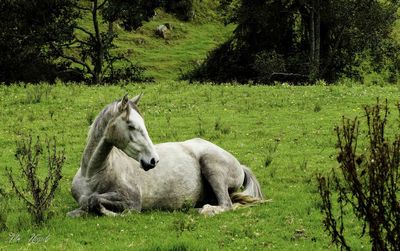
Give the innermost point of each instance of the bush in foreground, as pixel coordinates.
(37, 194)
(368, 182)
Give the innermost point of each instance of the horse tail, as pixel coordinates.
(251, 193)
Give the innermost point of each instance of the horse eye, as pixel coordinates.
(131, 127)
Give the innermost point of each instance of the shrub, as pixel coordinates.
(37, 194)
(368, 182)
(266, 63)
(130, 73)
(183, 9)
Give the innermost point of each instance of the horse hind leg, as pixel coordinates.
(216, 171)
(221, 193)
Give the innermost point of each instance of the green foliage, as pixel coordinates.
(206, 11)
(184, 9)
(368, 182)
(302, 39)
(266, 63)
(162, 59)
(130, 73)
(30, 30)
(229, 10)
(131, 14)
(93, 49)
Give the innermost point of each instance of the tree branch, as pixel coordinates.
(81, 41)
(17, 191)
(77, 61)
(102, 4)
(85, 31)
(82, 8)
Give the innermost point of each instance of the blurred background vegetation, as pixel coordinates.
(106, 41)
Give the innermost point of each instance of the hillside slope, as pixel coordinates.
(166, 58)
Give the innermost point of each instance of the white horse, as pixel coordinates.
(122, 170)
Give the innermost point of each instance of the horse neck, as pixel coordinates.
(97, 149)
(99, 157)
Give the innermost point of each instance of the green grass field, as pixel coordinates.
(285, 134)
(290, 128)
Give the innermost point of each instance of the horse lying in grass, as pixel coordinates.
(122, 170)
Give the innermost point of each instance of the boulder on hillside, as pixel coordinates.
(163, 30)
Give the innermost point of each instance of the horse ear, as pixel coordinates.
(137, 98)
(124, 103)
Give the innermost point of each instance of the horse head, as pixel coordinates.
(127, 131)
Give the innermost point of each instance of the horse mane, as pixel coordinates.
(101, 121)
(97, 128)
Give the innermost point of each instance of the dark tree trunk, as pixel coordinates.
(110, 28)
(312, 36)
(315, 38)
(99, 48)
(317, 23)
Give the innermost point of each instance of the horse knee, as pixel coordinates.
(94, 205)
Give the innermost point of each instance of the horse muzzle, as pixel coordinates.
(148, 165)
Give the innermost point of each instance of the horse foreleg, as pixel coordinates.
(111, 203)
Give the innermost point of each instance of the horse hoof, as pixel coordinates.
(76, 213)
(208, 210)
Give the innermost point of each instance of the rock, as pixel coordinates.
(163, 30)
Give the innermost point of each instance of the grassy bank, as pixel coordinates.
(284, 133)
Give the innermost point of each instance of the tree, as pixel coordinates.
(130, 14)
(311, 20)
(316, 39)
(350, 28)
(29, 31)
(94, 48)
(183, 9)
(91, 49)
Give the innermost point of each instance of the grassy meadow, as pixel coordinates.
(284, 133)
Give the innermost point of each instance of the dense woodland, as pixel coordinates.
(297, 41)
(305, 39)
